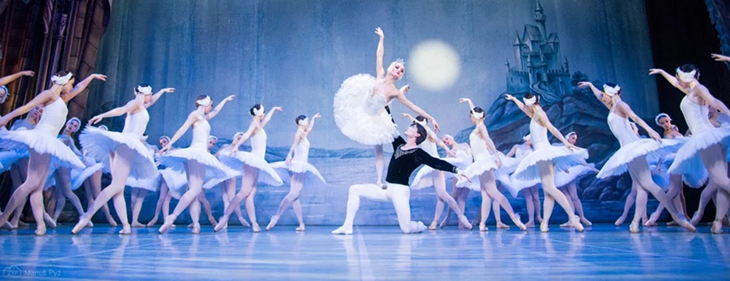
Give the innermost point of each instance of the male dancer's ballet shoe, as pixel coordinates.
(575, 221)
(342, 230)
(501, 225)
(301, 228)
(620, 221)
(716, 227)
(272, 222)
(417, 227)
(634, 227)
(463, 220)
(50, 222)
(83, 221)
(433, 226)
(126, 230)
(483, 227)
(544, 226)
(221, 223)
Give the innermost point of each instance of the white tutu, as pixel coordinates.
(99, 143)
(267, 175)
(514, 186)
(651, 149)
(150, 184)
(43, 143)
(360, 115)
(693, 180)
(8, 158)
(562, 178)
(688, 161)
(177, 159)
(175, 181)
(561, 157)
(78, 176)
(311, 174)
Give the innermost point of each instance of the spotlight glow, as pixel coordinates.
(434, 65)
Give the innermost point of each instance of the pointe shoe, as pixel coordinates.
(688, 226)
(671, 223)
(716, 227)
(212, 221)
(168, 222)
(300, 228)
(465, 222)
(518, 222)
(575, 221)
(696, 218)
(196, 228)
(191, 225)
(433, 226)
(586, 222)
(40, 230)
(530, 224)
(620, 221)
(256, 228)
(50, 222)
(221, 223)
(544, 226)
(272, 222)
(7, 226)
(83, 221)
(634, 227)
(501, 225)
(152, 222)
(243, 221)
(483, 227)
(443, 224)
(566, 224)
(126, 230)
(343, 230)
(138, 225)
(650, 223)
(113, 223)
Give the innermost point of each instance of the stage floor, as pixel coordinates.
(372, 253)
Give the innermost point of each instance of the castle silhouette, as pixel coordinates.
(538, 67)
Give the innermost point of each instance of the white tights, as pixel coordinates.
(396, 193)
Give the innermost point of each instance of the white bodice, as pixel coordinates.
(538, 133)
(478, 146)
(376, 103)
(258, 143)
(136, 124)
(696, 115)
(53, 118)
(201, 132)
(301, 152)
(621, 128)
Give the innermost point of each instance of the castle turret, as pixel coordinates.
(518, 51)
(540, 18)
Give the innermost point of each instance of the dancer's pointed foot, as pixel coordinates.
(575, 221)
(152, 222)
(126, 230)
(671, 223)
(530, 224)
(272, 222)
(443, 223)
(7, 226)
(650, 223)
(586, 222)
(544, 226)
(50, 222)
(518, 222)
(683, 222)
(223, 221)
(113, 223)
(90, 224)
(463, 220)
(433, 226)
(138, 225)
(83, 221)
(168, 222)
(212, 221)
(634, 227)
(696, 218)
(243, 221)
(301, 228)
(716, 227)
(620, 221)
(22, 224)
(196, 228)
(502, 225)
(483, 227)
(566, 224)
(343, 230)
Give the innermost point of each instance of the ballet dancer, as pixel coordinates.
(228, 187)
(566, 182)
(528, 189)
(4, 81)
(427, 177)
(163, 202)
(633, 153)
(299, 168)
(129, 157)
(707, 141)
(405, 159)
(487, 162)
(361, 106)
(546, 158)
(460, 156)
(45, 149)
(255, 168)
(196, 161)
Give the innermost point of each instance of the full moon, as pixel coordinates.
(434, 65)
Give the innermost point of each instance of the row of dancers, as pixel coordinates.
(362, 113)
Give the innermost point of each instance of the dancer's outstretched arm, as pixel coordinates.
(41, 98)
(119, 111)
(671, 79)
(721, 58)
(297, 139)
(519, 104)
(379, 54)
(402, 98)
(424, 158)
(192, 118)
(311, 124)
(269, 115)
(711, 100)
(81, 86)
(626, 109)
(600, 95)
(251, 129)
(219, 107)
(158, 95)
(12, 77)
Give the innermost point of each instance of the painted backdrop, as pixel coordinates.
(295, 54)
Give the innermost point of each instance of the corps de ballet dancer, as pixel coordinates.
(707, 146)
(129, 157)
(633, 153)
(196, 161)
(566, 181)
(297, 164)
(406, 158)
(228, 186)
(460, 156)
(631, 198)
(546, 158)
(17, 162)
(487, 163)
(45, 149)
(427, 176)
(92, 185)
(528, 189)
(255, 168)
(166, 175)
(361, 108)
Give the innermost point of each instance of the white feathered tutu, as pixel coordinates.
(267, 175)
(99, 143)
(688, 160)
(360, 115)
(43, 143)
(311, 174)
(651, 149)
(562, 178)
(214, 169)
(561, 157)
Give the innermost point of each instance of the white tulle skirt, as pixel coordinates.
(214, 169)
(79, 176)
(688, 160)
(99, 143)
(267, 175)
(693, 180)
(651, 149)
(514, 186)
(43, 143)
(149, 184)
(562, 178)
(362, 116)
(176, 181)
(311, 174)
(561, 157)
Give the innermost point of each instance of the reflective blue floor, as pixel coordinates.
(372, 253)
